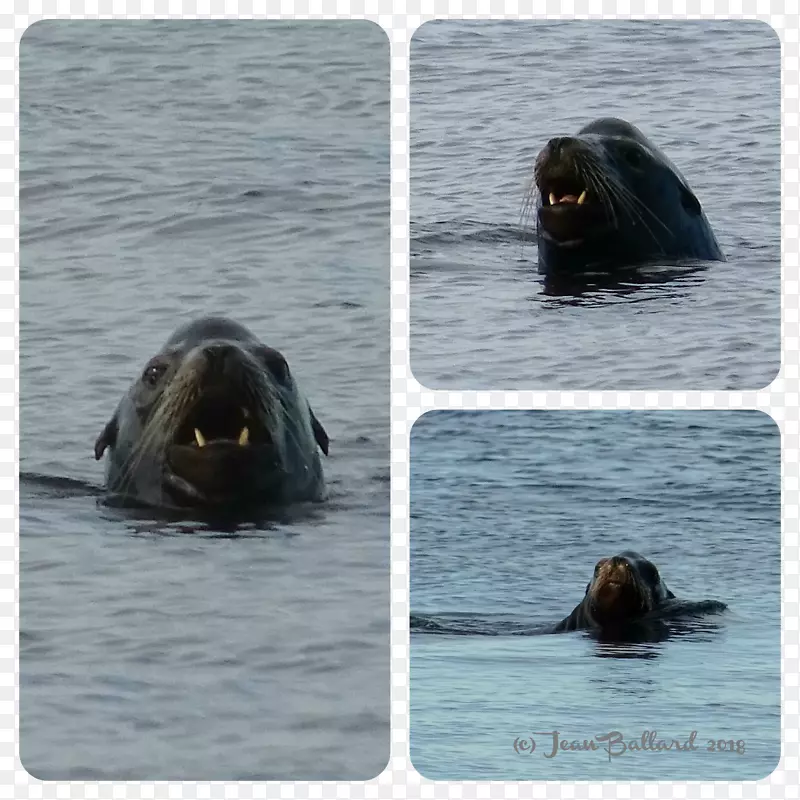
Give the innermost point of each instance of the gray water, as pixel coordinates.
(485, 98)
(510, 511)
(170, 170)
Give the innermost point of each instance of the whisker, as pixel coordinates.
(172, 405)
(529, 203)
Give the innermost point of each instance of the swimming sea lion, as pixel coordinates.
(215, 419)
(627, 589)
(608, 198)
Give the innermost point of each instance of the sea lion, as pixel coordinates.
(215, 419)
(608, 198)
(628, 590)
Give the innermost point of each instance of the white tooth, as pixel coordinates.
(245, 412)
(244, 436)
(582, 197)
(552, 199)
(201, 441)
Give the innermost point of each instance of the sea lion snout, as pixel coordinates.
(568, 212)
(218, 362)
(615, 572)
(615, 592)
(220, 355)
(564, 149)
(615, 569)
(558, 160)
(558, 144)
(619, 564)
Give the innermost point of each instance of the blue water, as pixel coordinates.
(486, 96)
(509, 513)
(170, 170)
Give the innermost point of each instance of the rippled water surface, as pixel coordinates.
(170, 170)
(509, 513)
(485, 98)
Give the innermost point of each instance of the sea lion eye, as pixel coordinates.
(598, 565)
(153, 374)
(280, 369)
(633, 156)
(649, 571)
(277, 365)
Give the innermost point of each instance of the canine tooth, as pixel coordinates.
(552, 199)
(582, 197)
(244, 436)
(245, 412)
(201, 441)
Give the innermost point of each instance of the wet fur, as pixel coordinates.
(651, 215)
(146, 422)
(641, 578)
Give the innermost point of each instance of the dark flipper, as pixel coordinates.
(319, 433)
(108, 438)
(577, 620)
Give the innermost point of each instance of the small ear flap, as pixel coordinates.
(319, 433)
(108, 438)
(690, 203)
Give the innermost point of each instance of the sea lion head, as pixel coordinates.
(624, 587)
(215, 418)
(608, 195)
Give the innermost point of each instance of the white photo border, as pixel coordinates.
(400, 18)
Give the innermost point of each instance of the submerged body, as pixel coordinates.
(627, 592)
(215, 420)
(608, 198)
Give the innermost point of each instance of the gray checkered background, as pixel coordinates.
(409, 399)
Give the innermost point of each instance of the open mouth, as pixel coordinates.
(568, 214)
(563, 191)
(217, 419)
(222, 450)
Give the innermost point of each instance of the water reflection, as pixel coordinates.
(598, 288)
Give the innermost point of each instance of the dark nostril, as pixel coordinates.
(218, 354)
(559, 144)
